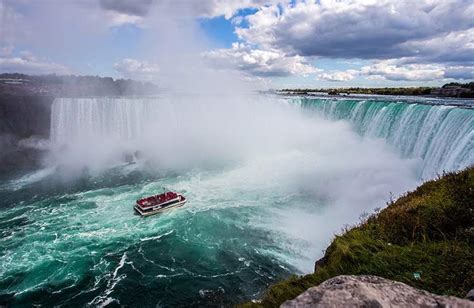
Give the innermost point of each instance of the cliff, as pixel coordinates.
(25, 110)
(24, 125)
(424, 239)
(25, 115)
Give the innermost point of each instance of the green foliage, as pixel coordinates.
(467, 85)
(428, 231)
(72, 85)
(412, 91)
(377, 91)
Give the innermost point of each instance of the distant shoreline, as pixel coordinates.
(452, 90)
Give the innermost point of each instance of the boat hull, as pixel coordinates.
(157, 210)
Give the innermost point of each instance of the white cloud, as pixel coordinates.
(390, 70)
(27, 63)
(132, 68)
(338, 75)
(400, 70)
(116, 19)
(366, 29)
(202, 8)
(455, 47)
(409, 40)
(259, 62)
(214, 8)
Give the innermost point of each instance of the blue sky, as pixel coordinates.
(326, 43)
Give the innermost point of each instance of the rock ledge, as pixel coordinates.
(370, 291)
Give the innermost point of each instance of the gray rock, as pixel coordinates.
(470, 295)
(370, 291)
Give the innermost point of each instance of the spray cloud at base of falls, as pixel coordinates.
(269, 180)
(442, 136)
(258, 145)
(274, 179)
(276, 147)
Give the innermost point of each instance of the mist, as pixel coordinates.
(143, 151)
(262, 144)
(210, 120)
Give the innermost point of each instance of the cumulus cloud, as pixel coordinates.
(338, 75)
(214, 8)
(366, 29)
(27, 63)
(454, 48)
(202, 8)
(390, 70)
(133, 68)
(257, 62)
(406, 40)
(400, 70)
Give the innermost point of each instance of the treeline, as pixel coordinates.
(357, 90)
(72, 85)
(453, 89)
(467, 85)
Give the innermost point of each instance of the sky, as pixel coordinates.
(324, 43)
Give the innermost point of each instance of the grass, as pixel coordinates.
(429, 231)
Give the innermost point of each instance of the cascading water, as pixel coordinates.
(442, 136)
(120, 118)
(268, 184)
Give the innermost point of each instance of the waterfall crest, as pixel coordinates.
(443, 136)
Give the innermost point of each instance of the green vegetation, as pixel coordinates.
(467, 85)
(429, 231)
(71, 85)
(453, 89)
(377, 91)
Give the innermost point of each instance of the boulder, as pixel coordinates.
(370, 291)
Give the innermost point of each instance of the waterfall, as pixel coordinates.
(442, 136)
(116, 118)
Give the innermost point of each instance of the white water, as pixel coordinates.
(265, 149)
(442, 137)
(268, 184)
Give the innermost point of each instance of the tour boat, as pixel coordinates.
(159, 203)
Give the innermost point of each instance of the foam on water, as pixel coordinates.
(293, 181)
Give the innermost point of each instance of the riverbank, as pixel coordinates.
(424, 239)
(453, 90)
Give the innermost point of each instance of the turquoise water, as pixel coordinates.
(82, 243)
(441, 135)
(72, 238)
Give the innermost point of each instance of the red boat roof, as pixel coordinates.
(158, 199)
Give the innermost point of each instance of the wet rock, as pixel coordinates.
(370, 291)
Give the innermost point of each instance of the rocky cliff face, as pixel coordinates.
(370, 291)
(25, 122)
(24, 116)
